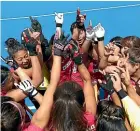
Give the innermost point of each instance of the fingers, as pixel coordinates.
(16, 85)
(90, 23)
(121, 69)
(31, 18)
(78, 11)
(65, 39)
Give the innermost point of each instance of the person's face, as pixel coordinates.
(132, 68)
(82, 36)
(22, 58)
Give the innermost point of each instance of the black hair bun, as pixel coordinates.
(11, 42)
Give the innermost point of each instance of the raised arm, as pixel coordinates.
(42, 116)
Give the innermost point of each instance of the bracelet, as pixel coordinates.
(58, 25)
(122, 94)
(100, 39)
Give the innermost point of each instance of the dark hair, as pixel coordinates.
(110, 117)
(4, 73)
(117, 41)
(131, 41)
(13, 46)
(68, 113)
(76, 25)
(10, 116)
(134, 55)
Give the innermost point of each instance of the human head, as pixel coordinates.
(110, 117)
(117, 44)
(133, 62)
(12, 115)
(68, 102)
(130, 42)
(6, 78)
(18, 52)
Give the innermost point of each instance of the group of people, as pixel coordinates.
(76, 84)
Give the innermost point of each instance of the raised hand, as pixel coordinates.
(109, 50)
(80, 17)
(59, 46)
(107, 84)
(116, 81)
(27, 87)
(59, 19)
(31, 44)
(36, 26)
(99, 32)
(125, 76)
(89, 32)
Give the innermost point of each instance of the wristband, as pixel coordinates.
(33, 93)
(100, 39)
(122, 94)
(58, 25)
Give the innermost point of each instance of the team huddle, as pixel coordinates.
(76, 83)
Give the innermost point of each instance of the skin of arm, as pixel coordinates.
(86, 45)
(117, 101)
(103, 62)
(42, 116)
(18, 94)
(131, 108)
(88, 90)
(101, 48)
(132, 94)
(37, 75)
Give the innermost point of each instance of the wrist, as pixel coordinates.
(121, 93)
(58, 25)
(33, 93)
(100, 38)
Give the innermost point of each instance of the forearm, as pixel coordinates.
(41, 117)
(117, 102)
(101, 48)
(16, 94)
(40, 55)
(132, 110)
(103, 62)
(86, 45)
(37, 75)
(88, 90)
(133, 95)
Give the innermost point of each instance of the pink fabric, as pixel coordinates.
(91, 121)
(32, 127)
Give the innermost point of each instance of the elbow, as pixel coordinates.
(37, 82)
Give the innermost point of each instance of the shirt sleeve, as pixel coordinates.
(133, 112)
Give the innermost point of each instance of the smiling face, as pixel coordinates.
(22, 58)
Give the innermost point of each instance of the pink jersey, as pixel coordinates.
(32, 127)
(91, 121)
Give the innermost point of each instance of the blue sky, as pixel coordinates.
(123, 22)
